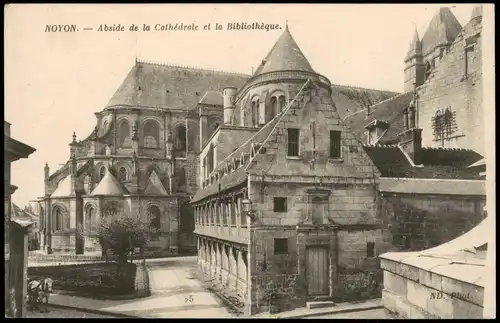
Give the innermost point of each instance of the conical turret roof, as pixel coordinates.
(477, 11)
(415, 44)
(109, 185)
(284, 56)
(443, 29)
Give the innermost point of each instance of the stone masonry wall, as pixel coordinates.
(456, 82)
(419, 222)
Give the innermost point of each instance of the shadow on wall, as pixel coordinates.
(418, 226)
(356, 286)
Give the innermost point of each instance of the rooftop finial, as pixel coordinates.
(74, 136)
(286, 24)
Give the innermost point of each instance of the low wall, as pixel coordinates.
(427, 289)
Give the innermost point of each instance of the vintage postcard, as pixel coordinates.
(249, 160)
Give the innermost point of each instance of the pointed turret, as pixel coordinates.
(414, 64)
(415, 44)
(284, 56)
(477, 12)
(442, 31)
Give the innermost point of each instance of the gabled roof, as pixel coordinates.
(284, 56)
(437, 163)
(166, 86)
(64, 188)
(443, 29)
(389, 111)
(154, 186)
(109, 185)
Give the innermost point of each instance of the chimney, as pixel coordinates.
(229, 95)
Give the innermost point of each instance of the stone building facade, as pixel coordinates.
(142, 158)
(16, 232)
(293, 201)
(311, 186)
(444, 70)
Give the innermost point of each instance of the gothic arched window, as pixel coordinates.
(443, 124)
(89, 218)
(214, 127)
(58, 219)
(281, 102)
(255, 113)
(122, 174)
(428, 69)
(180, 141)
(154, 217)
(124, 134)
(151, 131)
(274, 108)
(102, 172)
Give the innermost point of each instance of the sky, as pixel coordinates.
(55, 82)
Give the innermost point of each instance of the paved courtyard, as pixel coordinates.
(175, 293)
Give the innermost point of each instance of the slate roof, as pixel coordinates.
(166, 86)
(443, 29)
(212, 98)
(284, 56)
(389, 111)
(109, 185)
(437, 163)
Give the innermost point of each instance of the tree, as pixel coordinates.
(123, 234)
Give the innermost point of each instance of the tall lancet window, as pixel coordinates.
(124, 134)
(102, 172)
(180, 144)
(282, 103)
(151, 131)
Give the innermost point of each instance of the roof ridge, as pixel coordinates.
(361, 88)
(139, 61)
(389, 99)
(448, 149)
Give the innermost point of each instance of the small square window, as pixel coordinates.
(279, 204)
(370, 250)
(280, 246)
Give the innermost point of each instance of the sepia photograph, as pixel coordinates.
(314, 161)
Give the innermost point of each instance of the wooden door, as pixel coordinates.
(317, 272)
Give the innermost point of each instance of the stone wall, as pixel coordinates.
(456, 82)
(359, 274)
(424, 221)
(417, 292)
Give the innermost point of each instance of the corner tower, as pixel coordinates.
(414, 65)
(275, 82)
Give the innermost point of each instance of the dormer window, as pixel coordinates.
(375, 130)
